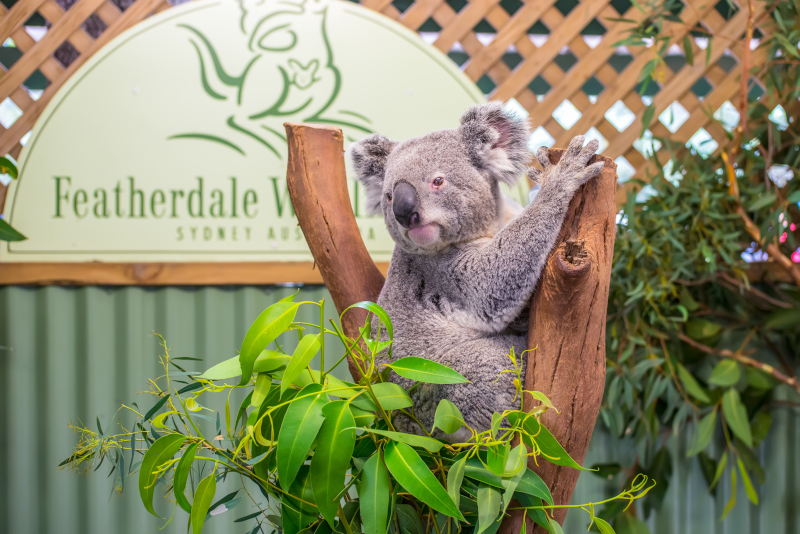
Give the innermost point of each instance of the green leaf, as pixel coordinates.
(267, 361)
(732, 501)
(783, 319)
(424, 442)
(335, 444)
(603, 526)
(647, 118)
(377, 310)
(510, 482)
(760, 426)
(516, 461)
(726, 373)
(272, 322)
(202, 500)
(391, 396)
(496, 457)
(455, 476)
(688, 50)
(374, 495)
(748, 485)
(687, 299)
(709, 467)
(488, 507)
(723, 462)
(157, 406)
(551, 449)
(475, 470)
(496, 420)
(297, 514)
(361, 417)
(7, 167)
(409, 520)
(410, 471)
(692, 386)
(260, 392)
(8, 233)
(162, 450)
(736, 416)
(427, 371)
(767, 199)
(555, 528)
(705, 431)
(305, 351)
(532, 484)
(700, 329)
(182, 475)
(301, 423)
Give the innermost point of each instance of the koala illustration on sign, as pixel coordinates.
(290, 73)
(467, 257)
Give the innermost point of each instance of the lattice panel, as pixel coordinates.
(551, 60)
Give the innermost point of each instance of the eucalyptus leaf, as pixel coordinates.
(375, 494)
(329, 465)
(300, 427)
(202, 499)
(182, 475)
(488, 507)
(704, 433)
(424, 442)
(391, 396)
(423, 370)
(307, 348)
(272, 322)
(455, 476)
(162, 450)
(410, 471)
(726, 373)
(736, 416)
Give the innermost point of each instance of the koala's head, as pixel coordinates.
(443, 188)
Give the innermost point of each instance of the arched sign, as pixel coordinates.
(168, 145)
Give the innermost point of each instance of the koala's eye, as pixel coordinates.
(438, 181)
(389, 197)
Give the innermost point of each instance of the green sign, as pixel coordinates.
(168, 145)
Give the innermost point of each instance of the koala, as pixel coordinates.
(467, 258)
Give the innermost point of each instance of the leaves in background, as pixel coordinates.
(703, 434)
(736, 416)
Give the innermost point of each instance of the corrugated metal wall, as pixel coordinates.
(73, 353)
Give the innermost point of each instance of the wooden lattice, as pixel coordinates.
(549, 56)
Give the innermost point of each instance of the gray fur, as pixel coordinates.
(462, 299)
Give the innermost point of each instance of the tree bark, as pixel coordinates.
(318, 190)
(568, 328)
(568, 309)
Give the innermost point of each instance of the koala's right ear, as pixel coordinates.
(369, 159)
(496, 141)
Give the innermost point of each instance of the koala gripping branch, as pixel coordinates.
(568, 310)
(318, 190)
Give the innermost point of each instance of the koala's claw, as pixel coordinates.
(572, 168)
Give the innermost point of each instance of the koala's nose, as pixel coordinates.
(404, 205)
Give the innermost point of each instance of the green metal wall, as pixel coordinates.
(73, 353)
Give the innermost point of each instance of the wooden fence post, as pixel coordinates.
(568, 310)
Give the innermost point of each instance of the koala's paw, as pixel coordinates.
(572, 170)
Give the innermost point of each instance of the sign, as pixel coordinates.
(168, 145)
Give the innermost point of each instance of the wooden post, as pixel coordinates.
(318, 190)
(568, 310)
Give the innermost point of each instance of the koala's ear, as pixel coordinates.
(369, 159)
(496, 140)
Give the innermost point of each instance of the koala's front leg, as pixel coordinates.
(498, 278)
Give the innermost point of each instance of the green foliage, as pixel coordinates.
(700, 340)
(324, 452)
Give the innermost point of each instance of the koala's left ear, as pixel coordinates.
(369, 159)
(496, 141)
